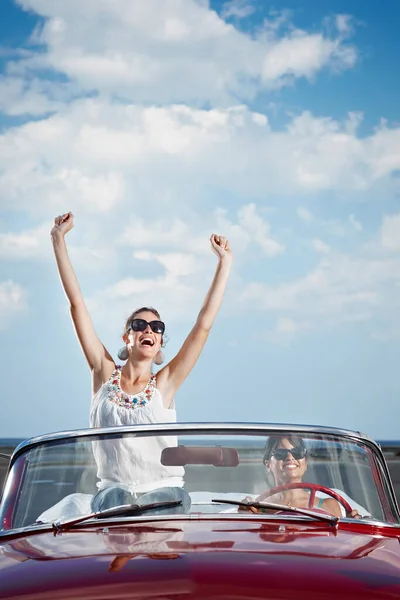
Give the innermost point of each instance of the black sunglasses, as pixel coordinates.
(283, 453)
(141, 324)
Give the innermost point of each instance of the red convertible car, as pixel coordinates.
(212, 511)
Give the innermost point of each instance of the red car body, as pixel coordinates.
(202, 556)
(213, 559)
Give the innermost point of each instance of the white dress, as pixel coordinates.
(133, 463)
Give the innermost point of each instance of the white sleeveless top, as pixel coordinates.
(132, 463)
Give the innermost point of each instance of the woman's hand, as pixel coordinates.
(62, 224)
(252, 509)
(221, 247)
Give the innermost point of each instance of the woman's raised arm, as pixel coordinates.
(171, 377)
(94, 351)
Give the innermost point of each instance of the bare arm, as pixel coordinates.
(94, 351)
(332, 506)
(171, 377)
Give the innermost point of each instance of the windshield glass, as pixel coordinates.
(67, 478)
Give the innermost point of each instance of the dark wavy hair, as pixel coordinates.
(273, 442)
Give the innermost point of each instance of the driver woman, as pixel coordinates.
(286, 459)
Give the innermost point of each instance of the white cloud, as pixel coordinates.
(305, 214)
(182, 249)
(171, 296)
(390, 233)
(95, 256)
(285, 325)
(98, 193)
(355, 224)
(258, 230)
(88, 252)
(26, 96)
(157, 234)
(176, 264)
(238, 9)
(320, 246)
(174, 50)
(344, 24)
(23, 245)
(248, 229)
(95, 156)
(13, 302)
(285, 330)
(143, 144)
(302, 55)
(340, 289)
(143, 255)
(333, 227)
(42, 166)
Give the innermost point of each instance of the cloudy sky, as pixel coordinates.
(158, 122)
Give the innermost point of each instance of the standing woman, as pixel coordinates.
(132, 394)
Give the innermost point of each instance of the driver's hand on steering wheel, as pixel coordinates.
(248, 508)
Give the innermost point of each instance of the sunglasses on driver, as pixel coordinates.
(141, 325)
(283, 453)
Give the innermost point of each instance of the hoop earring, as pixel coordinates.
(159, 358)
(123, 353)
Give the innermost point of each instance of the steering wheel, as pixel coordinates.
(313, 487)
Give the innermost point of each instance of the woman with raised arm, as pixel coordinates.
(131, 394)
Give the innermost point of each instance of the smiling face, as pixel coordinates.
(146, 343)
(286, 468)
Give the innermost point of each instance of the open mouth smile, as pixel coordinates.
(146, 341)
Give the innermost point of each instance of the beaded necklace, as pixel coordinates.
(118, 396)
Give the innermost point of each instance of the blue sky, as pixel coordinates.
(157, 122)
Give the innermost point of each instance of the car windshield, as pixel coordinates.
(186, 469)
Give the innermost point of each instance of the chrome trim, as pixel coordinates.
(131, 521)
(235, 427)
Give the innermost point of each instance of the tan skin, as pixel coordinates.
(292, 470)
(137, 370)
